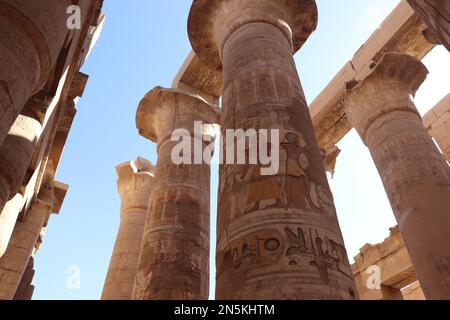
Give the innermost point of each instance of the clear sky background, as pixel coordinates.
(143, 45)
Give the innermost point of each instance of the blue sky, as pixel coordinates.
(143, 44)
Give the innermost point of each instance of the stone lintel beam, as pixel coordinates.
(413, 292)
(436, 15)
(60, 190)
(93, 34)
(194, 75)
(33, 34)
(413, 171)
(78, 85)
(135, 184)
(401, 31)
(437, 122)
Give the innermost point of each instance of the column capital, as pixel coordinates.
(211, 22)
(43, 24)
(388, 88)
(135, 176)
(163, 110)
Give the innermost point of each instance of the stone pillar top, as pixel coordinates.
(211, 22)
(44, 22)
(134, 176)
(393, 80)
(163, 110)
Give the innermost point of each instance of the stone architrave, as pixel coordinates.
(174, 261)
(278, 236)
(415, 175)
(135, 183)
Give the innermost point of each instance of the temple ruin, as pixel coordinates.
(278, 236)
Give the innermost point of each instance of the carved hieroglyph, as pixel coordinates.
(414, 172)
(135, 183)
(174, 261)
(278, 236)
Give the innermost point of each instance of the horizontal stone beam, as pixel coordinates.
(401, 31)
(437, 122)
(195, 76)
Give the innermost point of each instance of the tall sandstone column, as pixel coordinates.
(33, 33)
(278, 236)
(15, 260)
(414, 172)
(135, 183)
(16, 154)
(174, 262)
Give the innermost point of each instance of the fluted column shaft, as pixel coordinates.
(15, 260)
(278, 235)
(33, 33)
(135, 186)
(414, 173)
(174, 262)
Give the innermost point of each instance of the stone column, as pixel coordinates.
(16, 154)
(33, 33)
(414, 172)
(135, 183)
(278, 236)
(15, 260)
(174, 261)
(15, 157)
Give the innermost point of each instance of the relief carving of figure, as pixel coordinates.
(299, 190)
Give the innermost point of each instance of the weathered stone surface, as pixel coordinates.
(436, 14)
(26, 289)
(390, 262)
(174, 260)
(15, 156)
(437, 122)
(8, 218)
(414, 172)
(14, 262)
(413, 292)
(278, 236)
(135, 183)
(33, 33)
(401, 31)
(194, 75)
